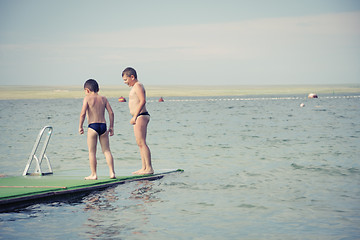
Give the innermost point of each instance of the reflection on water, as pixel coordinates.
(107, 210)
(144, 191)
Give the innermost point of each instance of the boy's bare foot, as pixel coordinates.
(138, 172)
(112, 176)
(91, 177)
(145, 172)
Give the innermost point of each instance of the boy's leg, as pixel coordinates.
(92, 143)
(138, 136)
(105, 146)
(140, 131)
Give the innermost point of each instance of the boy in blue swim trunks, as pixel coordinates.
(94, 107)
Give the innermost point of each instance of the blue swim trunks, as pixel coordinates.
(100, 128)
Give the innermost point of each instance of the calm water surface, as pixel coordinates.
(255, 168)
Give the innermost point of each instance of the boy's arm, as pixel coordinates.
(111, 117)
(82, 116)
(140, 93)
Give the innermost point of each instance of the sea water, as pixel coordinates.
(256, 167)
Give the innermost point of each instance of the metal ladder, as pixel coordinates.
(42, 155)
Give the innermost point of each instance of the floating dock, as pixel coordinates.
(26, 190)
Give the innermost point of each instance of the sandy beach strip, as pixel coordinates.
(56, 92)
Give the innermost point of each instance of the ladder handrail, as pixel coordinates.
(42, 152)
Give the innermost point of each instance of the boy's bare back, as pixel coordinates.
(96, 106)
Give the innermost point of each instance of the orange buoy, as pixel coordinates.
(312, 95)
(122, 99)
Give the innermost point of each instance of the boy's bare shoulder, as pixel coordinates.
(139, 86)
(103, 98)
(86, 99)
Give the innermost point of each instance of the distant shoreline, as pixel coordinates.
(57, 92)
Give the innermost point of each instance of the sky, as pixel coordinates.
(187, 42)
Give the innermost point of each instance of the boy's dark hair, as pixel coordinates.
(92, 85)
(129, 71)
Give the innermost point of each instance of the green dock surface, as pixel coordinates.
(21, 189)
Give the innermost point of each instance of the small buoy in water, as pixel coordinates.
(122, 99)
(161, 99)
(312, 95)
(302, 105)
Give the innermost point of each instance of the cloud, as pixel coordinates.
(281, 47)
(234, 40)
